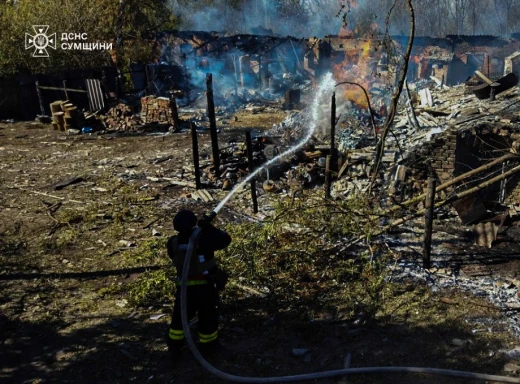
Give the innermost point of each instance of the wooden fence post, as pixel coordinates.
(333, 157)
(213, 124)
(175, 113)
(39, 92)
(428, 228)
(195, 146)
(328, 178)
(65, 89)
(249, 145)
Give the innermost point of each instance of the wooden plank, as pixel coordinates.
(61, 89)
(206, 195)
(486, 79)
(426, 97)
(195, 196)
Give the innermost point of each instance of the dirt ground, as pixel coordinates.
(62, 253)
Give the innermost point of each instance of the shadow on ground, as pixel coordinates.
(97, 349)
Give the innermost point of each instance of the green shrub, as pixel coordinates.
(152, 287)
(301, 254)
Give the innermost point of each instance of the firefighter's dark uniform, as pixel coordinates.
(202, 295)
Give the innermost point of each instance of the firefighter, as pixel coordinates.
(205, 279)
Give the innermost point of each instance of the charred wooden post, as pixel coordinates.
(503, 184)
(195, 146)
(236, 75)
(213, 124)
(410, 101)
(264, 74)
(333, 157)
(492, 93)
(292, 98)
(244, 63)
(328, 178)
(429, 205)
(175, 112)
(249, 145)
(40, 99)
(118, 87)
(259, 78)
(186, 77)
(65, 89)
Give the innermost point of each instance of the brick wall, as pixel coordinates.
(441, 151)
(446, 149)
(513, 194)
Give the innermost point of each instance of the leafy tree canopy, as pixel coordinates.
(129, 25)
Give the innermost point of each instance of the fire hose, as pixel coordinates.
(328, 82)
(309, 376)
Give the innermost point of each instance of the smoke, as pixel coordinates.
(307, 18)
(302, 18)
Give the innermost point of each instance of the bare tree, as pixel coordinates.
(459, 10)
(503, 10)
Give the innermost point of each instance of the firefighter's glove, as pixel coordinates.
(203, 223)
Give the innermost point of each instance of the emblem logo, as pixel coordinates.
(40, 41)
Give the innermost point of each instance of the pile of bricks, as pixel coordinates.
(158, 110)
(122, 118)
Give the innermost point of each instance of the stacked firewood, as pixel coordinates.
(122, 118)
(158, 110)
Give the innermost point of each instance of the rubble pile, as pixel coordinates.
(453, 132)
(480, 278)
(445, 119)
(234, 163)
(305, 167)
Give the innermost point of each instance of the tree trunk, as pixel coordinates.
(395, 97)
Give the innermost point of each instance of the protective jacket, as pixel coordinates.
(210, 240)
(202, 295)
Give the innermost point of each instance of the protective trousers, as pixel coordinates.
(202, 299)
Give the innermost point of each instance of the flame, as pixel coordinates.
(356, 96)
(356, 67)
(346, 33)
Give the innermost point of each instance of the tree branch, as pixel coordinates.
(396, 95)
